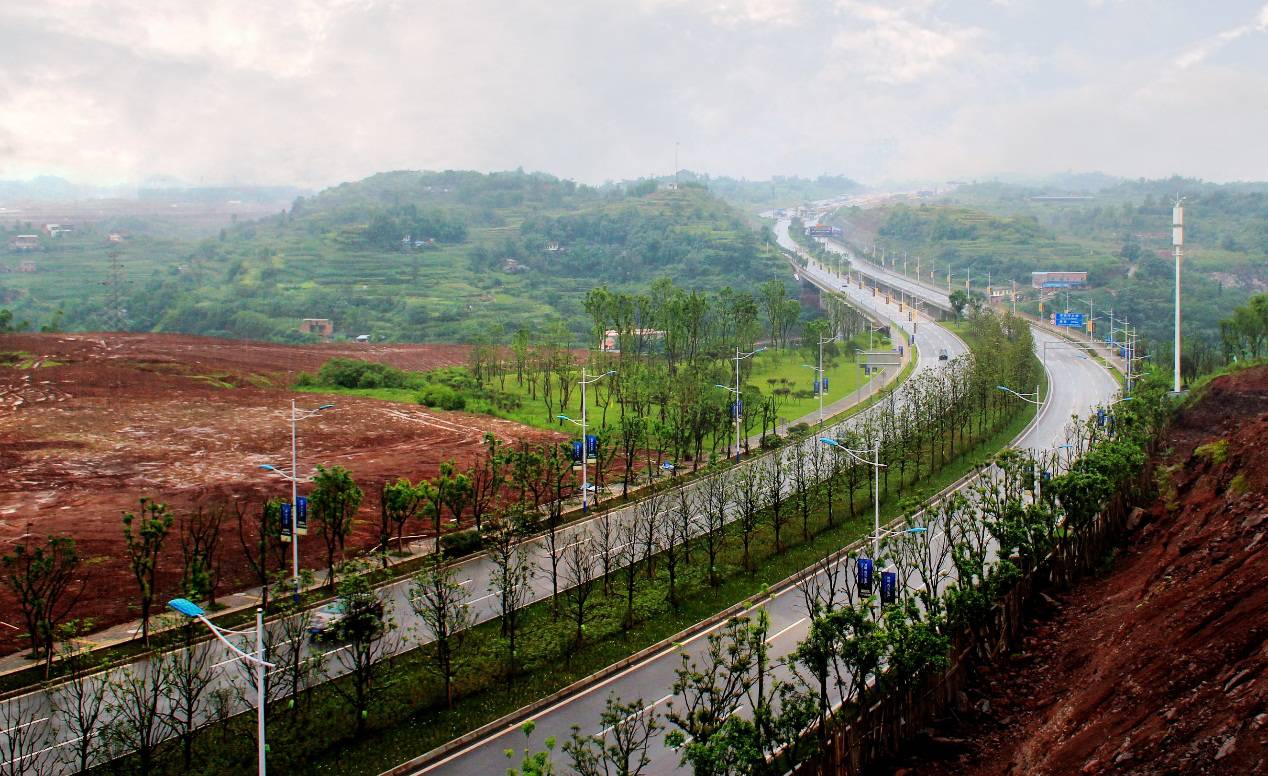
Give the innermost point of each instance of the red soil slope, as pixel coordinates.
(103, 420)
(1161, 666)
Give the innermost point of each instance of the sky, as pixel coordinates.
(315, 92)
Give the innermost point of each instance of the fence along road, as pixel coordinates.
(1077, 385)
(474, 574)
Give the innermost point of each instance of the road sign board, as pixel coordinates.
(1069, 319)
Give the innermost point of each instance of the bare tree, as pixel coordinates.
(261, 544)
(748, 492)
(630, 727)
(647, 514)
(557, 469)
(628, 557)
(42, 579)
(24, 745)
(512, 572)
(717, 497)
(579, 579)
(686, 505)
(299, 668)
(136, 713)
(802, 473)
(670, 539)
(440, 601)
(199, 535)
(79, 701)
(188, 672)
(143, 546)
(606, 538)
(367, 637)
(775, 479)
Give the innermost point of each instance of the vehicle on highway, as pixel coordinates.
(943, 355)
(332, 620)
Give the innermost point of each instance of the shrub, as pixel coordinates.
(442, 397)
(461, 543)
(351, 373)
(1213, 452)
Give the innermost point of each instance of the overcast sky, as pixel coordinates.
(313, 92)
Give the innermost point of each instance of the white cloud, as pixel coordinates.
(318, 91)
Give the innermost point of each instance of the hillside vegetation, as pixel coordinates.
(411, 256)
(1120, 235)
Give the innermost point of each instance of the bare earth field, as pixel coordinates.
(90, 423)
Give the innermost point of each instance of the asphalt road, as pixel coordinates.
(1078, 385)
(35, 709)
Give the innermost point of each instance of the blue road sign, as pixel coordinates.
(1068, 319)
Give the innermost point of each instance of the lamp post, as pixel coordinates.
(876, 484)
(296, 416)
(736, 392)
(1177, 239)
(819, 372)
(195, 612)
(1033, 398)
(585, 452)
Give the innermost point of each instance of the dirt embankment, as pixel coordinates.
(91, 423)
(1159, 666)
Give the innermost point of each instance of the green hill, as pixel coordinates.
(448, 256)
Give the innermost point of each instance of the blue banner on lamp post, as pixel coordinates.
(301, 516)
(864, 573)
(286, 522)
(889, 587)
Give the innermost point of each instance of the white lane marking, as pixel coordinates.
(784, 630)
(628, 717)
(22, 725)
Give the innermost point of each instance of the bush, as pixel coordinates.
(442, 397)
(351, 373)
(460, 543)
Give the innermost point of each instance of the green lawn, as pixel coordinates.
(771, 369)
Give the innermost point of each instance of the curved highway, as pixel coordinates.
(1078, 385)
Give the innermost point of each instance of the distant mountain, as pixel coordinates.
(450, 256)
(50, 188)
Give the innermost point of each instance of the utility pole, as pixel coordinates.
(1177, 239)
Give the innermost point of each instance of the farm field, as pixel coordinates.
(90, 423)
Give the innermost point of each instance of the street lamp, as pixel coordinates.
(296, 416)
(819, 373)
(194, 612)
(585, 452)
(1033, 398)
(876, 483)
(738, 408)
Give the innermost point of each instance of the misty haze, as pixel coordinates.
(655, 387)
